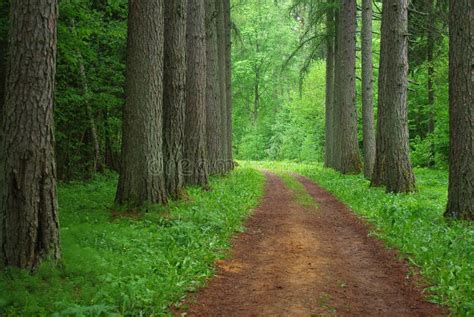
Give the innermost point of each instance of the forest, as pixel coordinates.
(236, 158)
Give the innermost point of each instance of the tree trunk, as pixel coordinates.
(221, 52)
(347, 152)
(96, 161)
(228, 80)
(367, 89)
(330, 36)
(174, 94)
(142, 178)
(195, 148)
(213, 109)
(392, 164)
(461, 110)
(4, 9)
(29, 224)
(430, 60)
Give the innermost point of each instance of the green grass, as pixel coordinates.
(412, 223)
(302, 197)
(131, 266)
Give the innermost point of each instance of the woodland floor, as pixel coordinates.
(298, 260)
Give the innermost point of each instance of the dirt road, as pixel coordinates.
(309, 261)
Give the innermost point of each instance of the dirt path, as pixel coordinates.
(300, 261)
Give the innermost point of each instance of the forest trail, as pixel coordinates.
(296, 260)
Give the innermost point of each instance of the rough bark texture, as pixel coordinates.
(195, 147)
(347, 156)
(329, 139)
(228, 81)
(367, 89)
(3, 53)
(221, 52)
(392, 165)
(174, 81)
(213, 108)
(461, 110)
(3, 58)
(29, 227)
(141, 178)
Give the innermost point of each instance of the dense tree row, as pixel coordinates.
(392, 166)
(176, 118)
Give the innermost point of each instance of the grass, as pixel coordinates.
(412, 223)
(131, 265)
(302, 197)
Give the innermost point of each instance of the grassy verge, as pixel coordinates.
(131, 265)
(411, 223)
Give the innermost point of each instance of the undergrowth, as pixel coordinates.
(132, 265)
(412, 223)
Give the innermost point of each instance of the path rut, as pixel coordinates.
(306, 261)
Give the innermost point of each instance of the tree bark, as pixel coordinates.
(4, 9)
(430, 60)
(213, 109)
(347, 156)
(195, 149)
(367, 89)
(461, 110)
(228, 80)
(330, 58)
(221, 52)
(142, 177)
(174, 94)
(392, 164)
(29, 224)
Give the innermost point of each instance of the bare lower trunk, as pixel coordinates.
(392, 165)
(174, 94)
(221, 52)
(195, 148)
(367, 89)
(347, 153)
(228, 81)
(213, 110)
(142, 177)
(329, 139)
(29, 225)
(461, 110)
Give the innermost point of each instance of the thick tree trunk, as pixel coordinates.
(330, 58)
(174, 94)
(221, 52)
(142, 177)
(3, 58)
(367, 89)
(29, 227)
(195, 147)
(461, 110)
(392, 165)
(3, 55)
(347, 152)
(213, 108)
(228, 80)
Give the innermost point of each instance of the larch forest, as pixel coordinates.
(236, 157)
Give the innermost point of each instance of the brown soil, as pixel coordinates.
(299, 261)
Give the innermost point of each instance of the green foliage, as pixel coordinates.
(131, 264)
(412, 223)
(93, 36)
